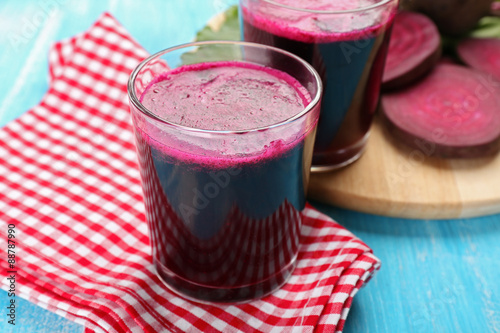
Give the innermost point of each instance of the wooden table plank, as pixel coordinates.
(436, 276)
(32, 318)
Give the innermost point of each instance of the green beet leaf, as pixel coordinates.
(229, 30)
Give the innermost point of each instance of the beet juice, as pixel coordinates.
(347, 45)
(224, 214)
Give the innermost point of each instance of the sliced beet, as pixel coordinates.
(482, 54)
(414, 48)
(452, 112)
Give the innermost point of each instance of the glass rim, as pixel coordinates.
(139, 106)
(316, 11)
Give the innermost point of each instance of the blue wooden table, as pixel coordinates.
(437, 276)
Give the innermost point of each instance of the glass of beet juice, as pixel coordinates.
(346, 41)
(225, 133)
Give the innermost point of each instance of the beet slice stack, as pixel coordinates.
(453, 112)
(414, 48)
(482, 54)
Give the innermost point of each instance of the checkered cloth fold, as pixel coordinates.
(69, 182)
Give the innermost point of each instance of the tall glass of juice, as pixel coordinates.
(346, 41)
(225, 134)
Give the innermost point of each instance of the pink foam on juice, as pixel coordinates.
(320, 21)
(225, 96)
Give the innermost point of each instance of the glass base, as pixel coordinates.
(333, 160)
(229, 295)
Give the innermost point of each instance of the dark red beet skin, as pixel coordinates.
(482, 54)
(414, 48)
(452, 17)
(452, 112)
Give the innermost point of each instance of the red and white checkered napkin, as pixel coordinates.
(69, 181)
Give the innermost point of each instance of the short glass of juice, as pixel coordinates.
(225, 134)
(346, 41)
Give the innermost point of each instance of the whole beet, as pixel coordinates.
(453, 17)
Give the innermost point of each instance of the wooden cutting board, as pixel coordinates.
(404, 182)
